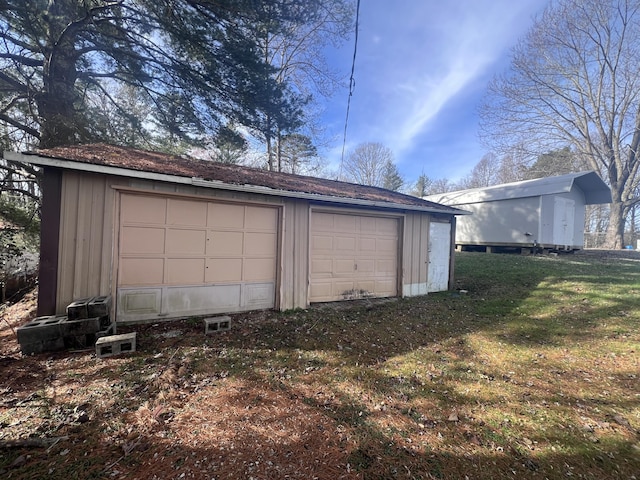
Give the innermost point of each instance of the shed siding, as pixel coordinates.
(500, 222)
(415, 248)
(294, 282)
(86, 237)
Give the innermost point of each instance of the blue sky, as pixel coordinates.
(422, 68)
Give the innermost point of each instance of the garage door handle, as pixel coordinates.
(355, 266)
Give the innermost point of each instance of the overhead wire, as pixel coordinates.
(352, 85)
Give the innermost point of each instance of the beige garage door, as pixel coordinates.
(353, 256)
(182, 257)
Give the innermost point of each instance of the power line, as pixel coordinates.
(352, 85)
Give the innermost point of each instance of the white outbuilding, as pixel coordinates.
(545, 213)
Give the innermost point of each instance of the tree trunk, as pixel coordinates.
(615, 231)
(279, 150)
(269, 153)
(56, 103)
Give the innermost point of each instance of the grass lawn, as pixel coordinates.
(528, 370)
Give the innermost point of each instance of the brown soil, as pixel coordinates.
(167, 412)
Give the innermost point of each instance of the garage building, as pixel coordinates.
(171, 237)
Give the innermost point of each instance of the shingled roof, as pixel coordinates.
(160, 163)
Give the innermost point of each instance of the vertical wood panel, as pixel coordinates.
(301, 267)
(86, 237)
(416, 220)
(415, 259)
(407, 255)
(68, 222)
(49, 241)
(425, 220)
(295, 256)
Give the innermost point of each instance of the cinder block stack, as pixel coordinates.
(86, 320)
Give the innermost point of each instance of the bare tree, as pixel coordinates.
(368, 164)
(484, 174)
(295, 50)
(575, 80)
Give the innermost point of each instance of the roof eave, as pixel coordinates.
(199, 182)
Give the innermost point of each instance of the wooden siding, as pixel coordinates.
(86, 237)
(294, 281)
(415, 258)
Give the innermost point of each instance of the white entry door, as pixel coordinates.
(439, 251)
(563, 220)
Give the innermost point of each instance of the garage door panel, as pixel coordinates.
(341, 266)
(141, 271)
(344, 244)
(140, 301)
(186, 241)
(368, 225)
(386, 267)
(344, 223)
(147, 240)
(367, 244)
(321, 291)
(220, 270)
(343, 288)
(202, 299)
(365, 287)
(322, 221)
(220, 215)
(258, 295)
(387, 246)
(143, 210)
(320, 243)
(259, 243)
(387, 226)
(186, 212)
(258, 269)
(385, 286)
(321, 267)
(225, 243)
(260, 218)
(366, 266)
(185, 271)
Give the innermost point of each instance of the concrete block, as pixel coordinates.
(217, 324)
(40, 329)
(115, 345)
(99, 306)
(109, 330)
(79, 308)
(81, 326)
(49, 345)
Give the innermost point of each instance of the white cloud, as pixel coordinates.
(421, 56)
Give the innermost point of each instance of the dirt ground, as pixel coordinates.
(177, 411)
(177, 422)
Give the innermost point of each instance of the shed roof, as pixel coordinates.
(594, 189)
(130, 162)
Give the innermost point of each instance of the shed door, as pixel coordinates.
(439, 252)
(181, 257)
(563, 221)
(353, 256)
